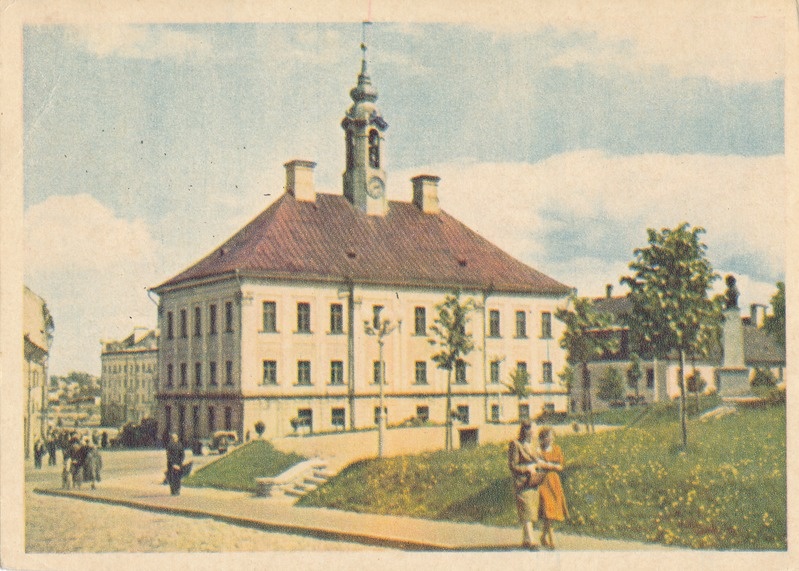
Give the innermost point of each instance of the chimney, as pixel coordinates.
(608, 291)
(757, 313)
(425, 193)
(299, 180)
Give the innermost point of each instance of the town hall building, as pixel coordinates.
(271, 326)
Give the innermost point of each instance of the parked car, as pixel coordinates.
(222, 439)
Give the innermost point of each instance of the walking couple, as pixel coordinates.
(539, 493)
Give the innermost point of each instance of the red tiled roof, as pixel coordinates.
(331, 239)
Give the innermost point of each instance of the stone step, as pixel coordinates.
(316, 481)
(324, 473)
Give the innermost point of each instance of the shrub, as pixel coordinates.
(611, 385)
(763, 378)
(260, 427)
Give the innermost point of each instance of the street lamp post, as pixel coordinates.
(385, 328)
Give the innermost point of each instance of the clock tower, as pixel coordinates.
(365, 175)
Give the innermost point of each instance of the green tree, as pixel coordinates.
(634, 373)
(611, 385)
(669, 294)
(584, 341)
(519, 384)
(763, 378)
(453, 342)
(774, 323)
(696, 384)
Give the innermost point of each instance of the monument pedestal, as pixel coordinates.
(732, 381)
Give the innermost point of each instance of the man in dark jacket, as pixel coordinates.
(174, 464)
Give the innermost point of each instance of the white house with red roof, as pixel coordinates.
(270, 326)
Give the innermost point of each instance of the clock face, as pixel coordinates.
(375, 188)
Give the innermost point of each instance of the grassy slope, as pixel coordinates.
(727, 491)
(238, 469)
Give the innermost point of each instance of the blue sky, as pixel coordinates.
(146, 146)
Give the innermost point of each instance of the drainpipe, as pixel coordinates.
(351, 350)
(238, 333)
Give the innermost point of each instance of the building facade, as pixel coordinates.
(37, 337)
(271, 326)
(129, 378)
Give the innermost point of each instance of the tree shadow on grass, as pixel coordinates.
(486, 505)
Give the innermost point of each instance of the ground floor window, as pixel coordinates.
(338, 416)
(650, 378)
(423, 412)
(494, 413)
(377, 414)
(228, 418)
(524, 412)
(211, 419)
(305, 418)
(462, 412)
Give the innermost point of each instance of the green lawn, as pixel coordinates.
(727, 491)
(239, 468)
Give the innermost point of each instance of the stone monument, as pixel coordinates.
(732, 378)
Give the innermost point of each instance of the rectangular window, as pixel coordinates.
(303, 317)
(336, 318)
(212, 373)
(338, 417)
(521, 324)
(170, 325)
(546, 325)
(198, 321)
(521, 367)
(462, 412)
(423, 412)
(376, 372)
(494, 413)
(168, 419)
(303, 372)
(270, 317)
(183, 375)
(305, 418)
(270, 372)
(170, 379)
(195, 421)
(495, 371)
(377, 414)
(546, 372)
(336, 372)
(549, 407)
(460, 372)
(420, 321)
(228, 372)
(212, 319)
(211, 419)
(228, 316)
(183, 324)
(524, 412)
(198, 374)
(421, 373)
(376, 309)
(493, 323)
(650, 378)
(228, 418)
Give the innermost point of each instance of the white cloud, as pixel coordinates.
(139, 41)
(93, 269)
(578, 216)
(728, 41)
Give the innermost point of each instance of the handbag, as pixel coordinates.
(536, 478)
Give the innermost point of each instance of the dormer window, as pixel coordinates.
(374, 149)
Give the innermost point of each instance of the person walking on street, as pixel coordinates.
(174, 464)
(52, 445)
(38, 452)
(526, 475)
(552, 501)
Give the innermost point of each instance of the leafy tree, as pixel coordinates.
(519, 384)
(669, 293)
(696, 384)
(634, 373)
(611, 385)
(774, 323)
(260, 428)
(453, 342)
(584, 341)
(763, 378)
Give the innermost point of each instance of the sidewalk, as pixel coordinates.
(278, 514)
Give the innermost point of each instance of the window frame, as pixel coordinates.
(269, 369)
(420, 321)
(269, 316)
(521, 324)
(336, 319)
(494, 324)
(303, 317)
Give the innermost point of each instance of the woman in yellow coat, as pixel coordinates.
(552, 501)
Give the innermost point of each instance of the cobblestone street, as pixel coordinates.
(60, 525)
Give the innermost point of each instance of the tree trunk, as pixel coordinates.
(448, 417)
(683, 425)
(587, 388)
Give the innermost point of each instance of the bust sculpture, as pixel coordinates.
(731, 296)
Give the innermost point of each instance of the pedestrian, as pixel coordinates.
(174, 464)
(38, 452)
(77, 456)
(104, 439)
(91, 468)
(552, 501)
(523, 465)
(52, 446)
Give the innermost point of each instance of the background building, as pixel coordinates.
(37, 336)
(270, 326)
(129, 378)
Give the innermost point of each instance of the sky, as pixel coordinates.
(561, 138)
